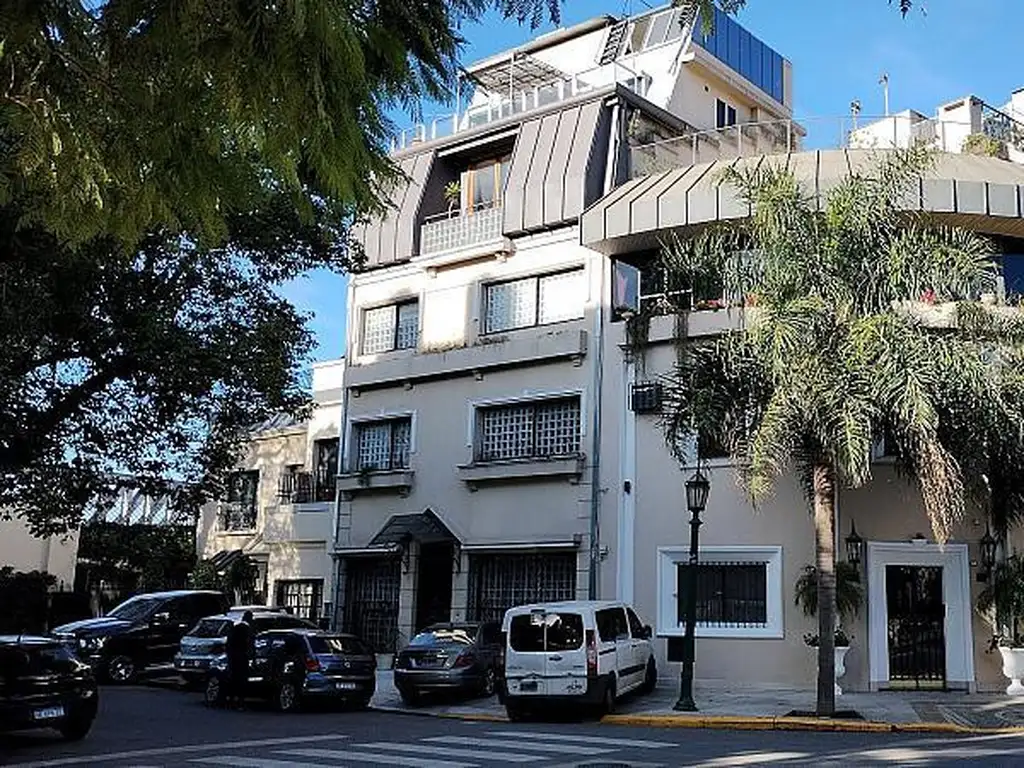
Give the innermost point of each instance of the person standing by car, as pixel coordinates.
(239, 651)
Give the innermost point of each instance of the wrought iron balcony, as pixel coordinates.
(457, 230)
(307, 487)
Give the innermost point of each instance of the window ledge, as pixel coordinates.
(399, 480)
(570, 467)
(739, 633)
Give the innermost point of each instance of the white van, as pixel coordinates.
(582, 652)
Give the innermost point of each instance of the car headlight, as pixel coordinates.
(220, 663)
(91, 643)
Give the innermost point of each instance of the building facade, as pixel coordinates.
(280, 504)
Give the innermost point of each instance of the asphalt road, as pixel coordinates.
(142, 727)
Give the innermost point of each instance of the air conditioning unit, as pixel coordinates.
(646, 397)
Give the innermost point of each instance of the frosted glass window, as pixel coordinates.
(395, 326)
(534, 301)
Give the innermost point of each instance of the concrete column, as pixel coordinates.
(460, 589)
(407, 594)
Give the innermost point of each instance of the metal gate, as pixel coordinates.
(371, 601)
(498, 582)
(917, 617)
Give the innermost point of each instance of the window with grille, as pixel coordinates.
(304, 598)
(728, 594)
(239, 513)
(383, 445)
(534, 301)
(533, 430)
(395, 326)
(498, 582)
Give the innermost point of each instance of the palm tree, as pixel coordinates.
(861, 321)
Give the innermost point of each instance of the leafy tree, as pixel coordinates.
(237, 580)
(866, 323)
(137, 557)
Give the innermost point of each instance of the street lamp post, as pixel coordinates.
(697, 489)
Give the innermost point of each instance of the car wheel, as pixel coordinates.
(75, 728)
(121, 669)
(515, 713)
(214, 694)
(650, 677)
(487, 688)
(608, 700)
(287, 697)
(410, 697)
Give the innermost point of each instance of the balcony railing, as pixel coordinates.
(307, 487)
(450, 232)
(784, 136)
(236, 516)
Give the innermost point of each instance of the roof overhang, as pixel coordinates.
(425, 527)
(982, 194)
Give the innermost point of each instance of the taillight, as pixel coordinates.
(591, 654)
(312, 665)
(463, 660)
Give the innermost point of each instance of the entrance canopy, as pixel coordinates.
(425, 527)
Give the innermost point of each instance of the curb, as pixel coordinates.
(473, 717)
(798, 724)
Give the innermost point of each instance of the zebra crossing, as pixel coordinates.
(489, 748)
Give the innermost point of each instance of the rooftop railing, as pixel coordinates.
(461, 229)
(784, 136)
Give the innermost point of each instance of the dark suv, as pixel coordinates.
(43, 685)
(140, 632)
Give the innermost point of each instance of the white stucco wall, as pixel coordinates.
(56, 555)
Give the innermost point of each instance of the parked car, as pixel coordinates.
(43, 685)
(139, 633)
(297, 666)
(583, 652)
(206, 643)
(462, 658)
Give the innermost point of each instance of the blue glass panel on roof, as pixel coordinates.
(756, 53)
(776, 91)
(745, 55)
(734, 46)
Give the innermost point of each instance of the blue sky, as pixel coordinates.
(838, 48)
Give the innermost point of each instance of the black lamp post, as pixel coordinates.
(988, 554)
(697, 490)
(854, 548)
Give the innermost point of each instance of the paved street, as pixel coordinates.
(142, 727)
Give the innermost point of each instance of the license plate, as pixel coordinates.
(528, 686)
(189, 662)
(346, 686)
(48, 713)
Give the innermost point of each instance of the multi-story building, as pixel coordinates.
(280, 502)
(473, 470)
(956, 127)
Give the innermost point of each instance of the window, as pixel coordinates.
(533, 430)
(383, 445)
(636, 627)
(302, 597)
(539, 632)
(739, 591)
(499, 581)
(239, 514)
(325, 468)
(612, 624)
(483, 184)
(395, 326)
(534, 301)
(728, 594)
(725, 114)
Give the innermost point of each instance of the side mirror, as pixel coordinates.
(159, 619)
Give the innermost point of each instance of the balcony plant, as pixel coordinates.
(1005, 594)
(985, 145)
(452, 196)
(849, 597)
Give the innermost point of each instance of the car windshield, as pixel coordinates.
(211, 628)
(539, 632)
(327, 646)
(135, 608)
(456, 635)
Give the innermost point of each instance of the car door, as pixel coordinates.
(613, 627)
(641, 644)
(165, 633)
(488, 637)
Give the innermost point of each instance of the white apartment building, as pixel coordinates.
(280, 504)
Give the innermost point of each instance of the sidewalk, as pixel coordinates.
(765, 708)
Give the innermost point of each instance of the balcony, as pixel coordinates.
(456, 231)
(306, 487)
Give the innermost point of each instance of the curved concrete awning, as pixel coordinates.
(983, 194)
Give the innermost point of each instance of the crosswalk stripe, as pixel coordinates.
(638, 743)
(376, 757)
(563, 749)
(238, 761)
(490, 754)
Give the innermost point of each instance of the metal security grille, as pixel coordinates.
(371, 601)
(395, 326)
(534, 300)
(383, 445)
(239, 512)
(728, 594)
(499, 582)
(917, 617)
(530, 430)
(304, 598)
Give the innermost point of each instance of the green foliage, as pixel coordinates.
(985, 145)
(238, 580)
(144, 558)
(1005, 593)
(25, 600)
(849, 592)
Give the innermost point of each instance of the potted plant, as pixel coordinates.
(452, 195)
(849, 596)
(1005, 593)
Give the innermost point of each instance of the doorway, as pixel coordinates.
(434, 585)
(916, 626)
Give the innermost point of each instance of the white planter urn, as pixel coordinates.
(1013, 668)
(840, 666)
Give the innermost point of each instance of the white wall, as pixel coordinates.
(56, 555)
